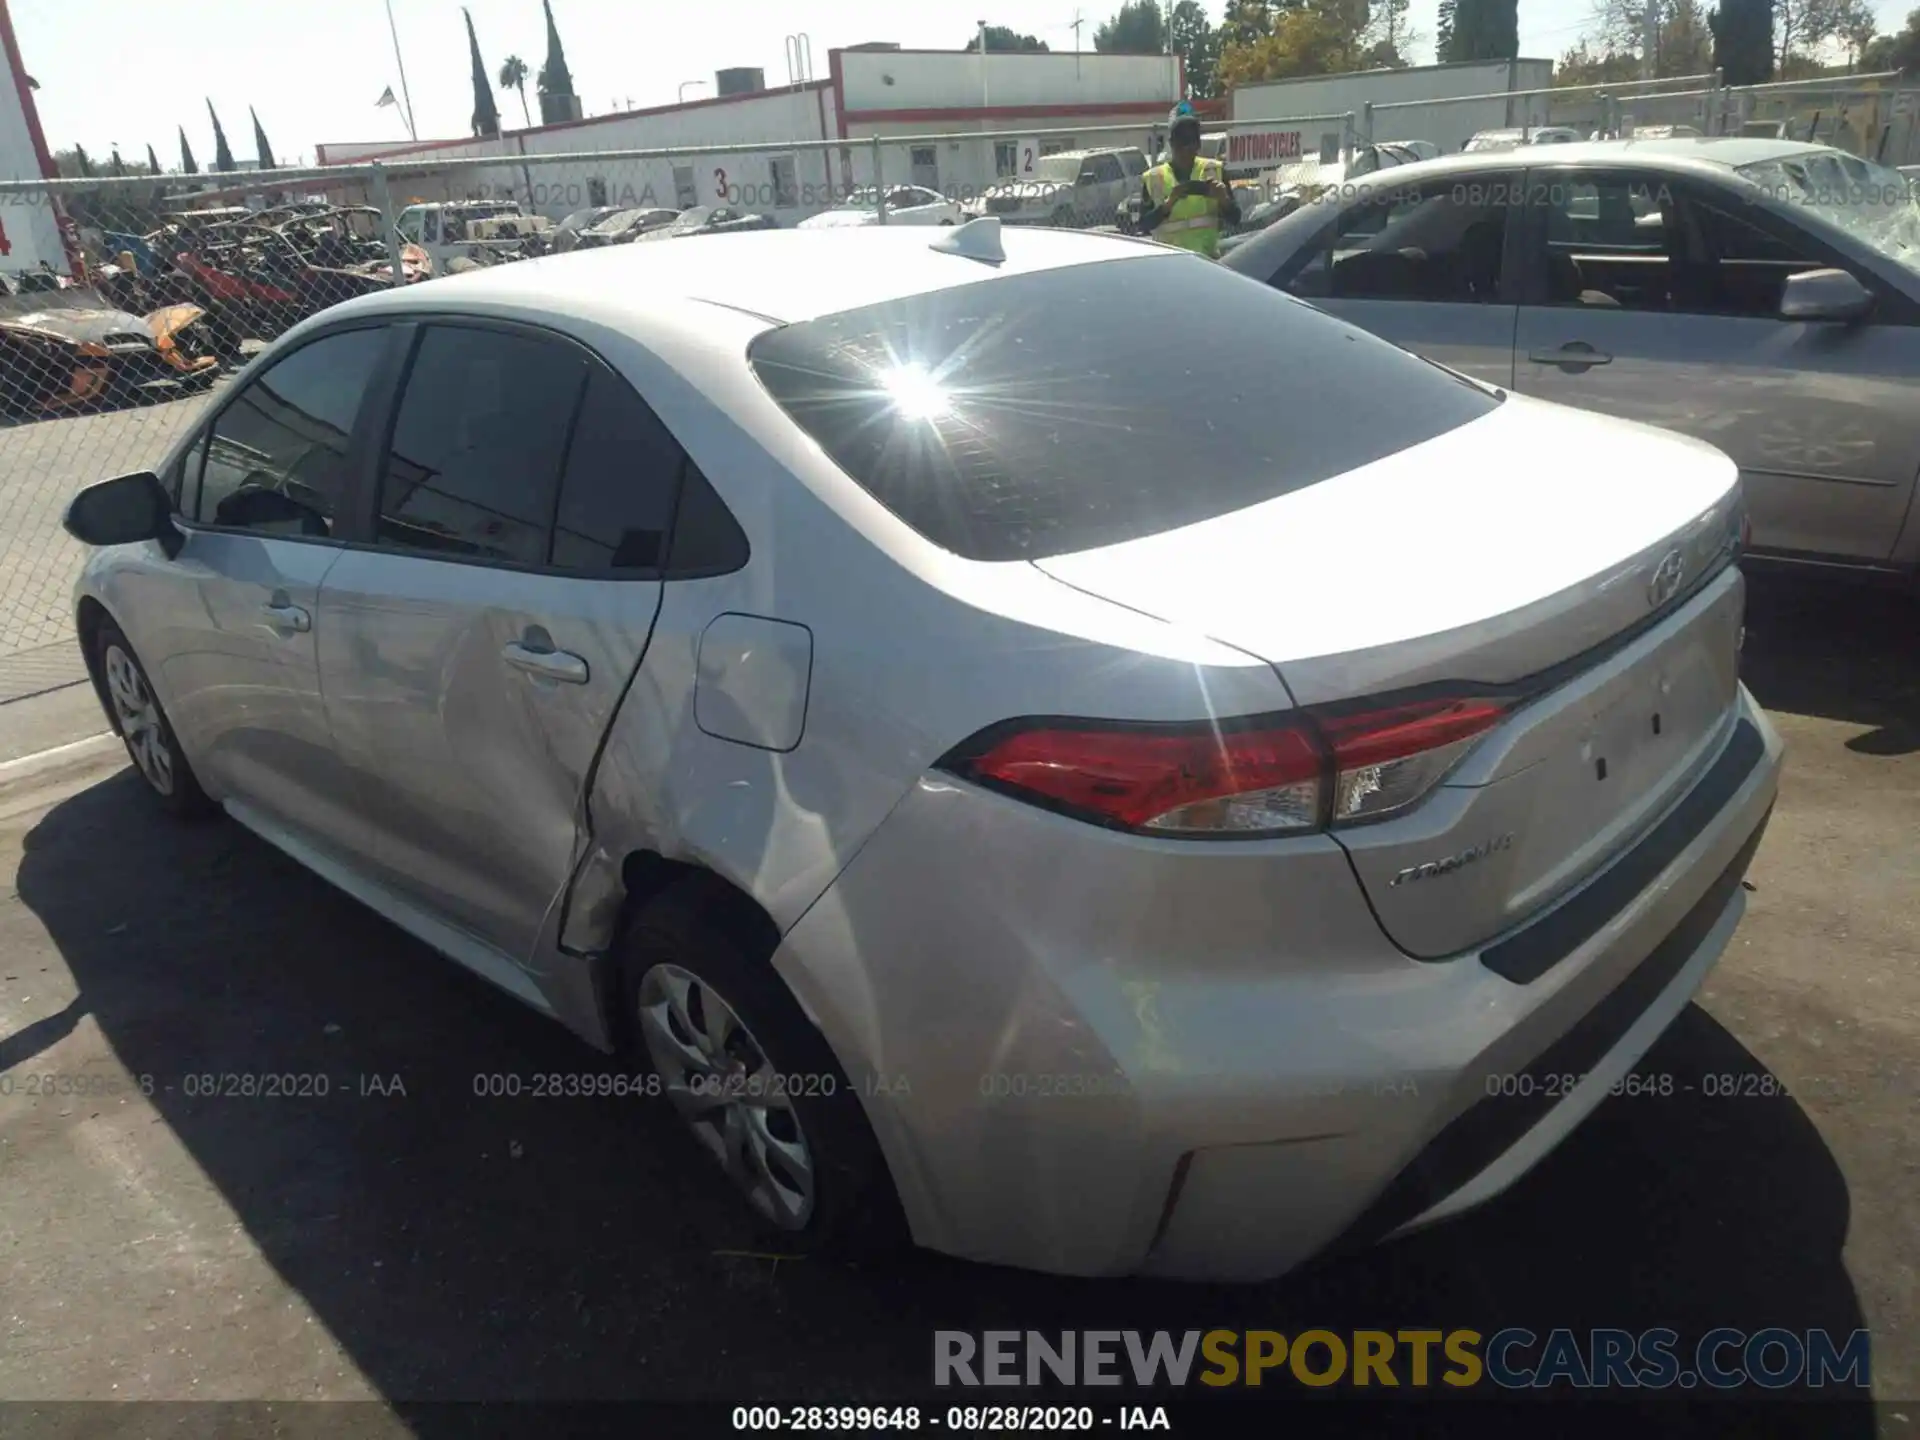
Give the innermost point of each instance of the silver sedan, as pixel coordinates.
(994, 775)
(1761, 294)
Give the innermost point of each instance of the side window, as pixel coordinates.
(1134, 163)
(409, 226)
(430, 226)
(622, 477)
(1742, 269)
(1608, 240)
(1441, 244)
(276, 458)
(707, 540)
(184, 471)
(1106, 169)
(477, 445)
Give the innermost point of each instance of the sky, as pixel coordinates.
(314, 69)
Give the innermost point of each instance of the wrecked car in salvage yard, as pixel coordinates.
(83, 354)
(254, 282)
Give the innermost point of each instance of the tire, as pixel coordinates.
(1061, 219)
(144, 728)
(686, 969)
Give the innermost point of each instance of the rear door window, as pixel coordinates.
(1039, 414)
(474, 467)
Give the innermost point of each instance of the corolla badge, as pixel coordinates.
(1667, 576)
(1447, 864)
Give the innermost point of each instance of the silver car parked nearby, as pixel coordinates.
(1761, 294)
(993, 778)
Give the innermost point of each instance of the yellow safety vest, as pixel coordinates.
(1194, 221)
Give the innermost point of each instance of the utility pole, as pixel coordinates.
(394, 30)
(1649, 38)
(1077, 23)
(983, 64)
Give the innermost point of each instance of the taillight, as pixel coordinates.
(1386, 759)
(1239, 778)
(1165, 779)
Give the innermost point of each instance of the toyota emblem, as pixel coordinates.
(1665, 583)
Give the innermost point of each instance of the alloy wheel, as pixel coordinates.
(722, 1083)
(139, 716)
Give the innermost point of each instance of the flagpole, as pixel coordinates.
(395, 31)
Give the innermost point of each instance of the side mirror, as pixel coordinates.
(1832, 295)
(120, 512)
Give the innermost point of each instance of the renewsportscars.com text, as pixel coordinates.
(1513, 1358)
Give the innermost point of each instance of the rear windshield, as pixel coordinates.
(1040, 414)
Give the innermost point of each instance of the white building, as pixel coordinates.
(927, 105)
(1286, 120)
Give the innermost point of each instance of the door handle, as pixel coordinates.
(1574, 355)
(284, 616)
(561, 665)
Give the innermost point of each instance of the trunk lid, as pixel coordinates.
(1563, 556)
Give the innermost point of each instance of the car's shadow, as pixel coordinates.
(463, 1245)
(1838, 649)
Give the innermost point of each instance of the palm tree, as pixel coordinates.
(513, 76)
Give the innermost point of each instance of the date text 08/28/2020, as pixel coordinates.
(875, 1419)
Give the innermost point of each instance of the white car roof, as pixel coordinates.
(781, 275)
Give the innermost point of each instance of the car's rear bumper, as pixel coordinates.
(1098, 1053)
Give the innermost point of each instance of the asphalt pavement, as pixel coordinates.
(401, 1238)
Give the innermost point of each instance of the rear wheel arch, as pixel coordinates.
(685, 920)
(650, 878)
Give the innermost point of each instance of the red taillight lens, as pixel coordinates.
(1192, 780)
(1242, 778)
(1386, 759)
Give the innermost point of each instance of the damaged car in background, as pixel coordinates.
(254, 282)
(68, 350)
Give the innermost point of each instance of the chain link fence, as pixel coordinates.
(125, 303)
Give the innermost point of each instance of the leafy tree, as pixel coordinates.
(260, 145)
(222, 156)
(187, 166)
(1135, 29)
(513, 76)
(486, 115)
(1247, 21)
(1855, 29)
(115, 165)
(1898, 51)
(1443, 27)
(1322, 37)
(1484, 30)
(1001, 39)
(1388, 37)
(1803, 26)
(1743, 40)
(1198, 45)
(81, 163)
(1585, 65)
(555, 78)
(153, 162)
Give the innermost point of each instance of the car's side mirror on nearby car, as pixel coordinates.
(1824, 295)
(121, 511)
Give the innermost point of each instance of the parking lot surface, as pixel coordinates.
(403, 1239)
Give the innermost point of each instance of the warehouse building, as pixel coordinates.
(927, 105)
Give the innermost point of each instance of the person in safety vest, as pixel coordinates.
(1186, 201)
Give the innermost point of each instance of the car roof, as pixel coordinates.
(784, 276)
(1675, 152)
